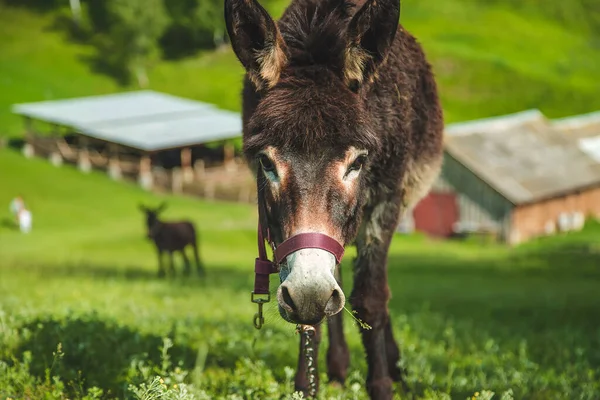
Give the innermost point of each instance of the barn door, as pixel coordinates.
(436, 214)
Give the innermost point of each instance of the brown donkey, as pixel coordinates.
(343, 129)
(169, 237)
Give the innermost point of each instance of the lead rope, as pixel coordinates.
(308, 332)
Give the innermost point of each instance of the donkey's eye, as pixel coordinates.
(266, 163)
(357, 164)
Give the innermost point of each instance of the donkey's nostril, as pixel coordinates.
(287, 299)
(335, 303)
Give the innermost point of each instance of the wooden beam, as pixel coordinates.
(176, 180)
(199, 169)
(114, 166)
(186, 165)
(83, 161)
(28, 149)
(229, 152)
(145, 176)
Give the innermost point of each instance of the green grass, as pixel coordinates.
(469, 318)
(490, 59)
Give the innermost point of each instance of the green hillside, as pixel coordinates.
(490, 58)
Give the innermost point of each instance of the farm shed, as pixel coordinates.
(163, 141)
(517, 176)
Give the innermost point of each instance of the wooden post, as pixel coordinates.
(55, 157)
(83, 161)
(199, 169)
(145, 177)
(228, 152)
(28, 149)
(176, 180)
(186, 165)
(114, 168)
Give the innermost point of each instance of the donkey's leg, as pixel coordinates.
(397, 373)
(370, 295)
(199, 266)
(161, 265)
(186, 260)
(171, 263)
(302, 383)
(338, 357)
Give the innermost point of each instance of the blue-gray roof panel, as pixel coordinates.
(111, 108)
(145, 120)
(171, 133)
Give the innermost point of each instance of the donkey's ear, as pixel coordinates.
(256, 41)
(161, 207)
(371, 33)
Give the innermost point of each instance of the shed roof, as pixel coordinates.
(523, 156)
(585, 130)
(170, 133)
(584, 125)
(145, 120)
(114, 108)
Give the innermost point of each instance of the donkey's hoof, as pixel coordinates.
(380, 389)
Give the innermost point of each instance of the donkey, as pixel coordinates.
(170, 237)
(342, 127)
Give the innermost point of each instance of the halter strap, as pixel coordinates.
(309, 240)
(263, 267)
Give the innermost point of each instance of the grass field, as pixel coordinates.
(489, 58)
(80, 302)
(83, 315)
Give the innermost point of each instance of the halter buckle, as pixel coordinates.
(259, 320)
(257, 298)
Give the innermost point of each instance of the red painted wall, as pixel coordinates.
(436, 214)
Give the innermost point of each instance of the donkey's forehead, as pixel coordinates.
(311, 117)
(321, 157)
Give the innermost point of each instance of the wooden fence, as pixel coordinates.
(231, 182)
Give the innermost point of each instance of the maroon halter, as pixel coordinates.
(263, 267)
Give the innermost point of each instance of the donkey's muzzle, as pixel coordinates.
(310, 292)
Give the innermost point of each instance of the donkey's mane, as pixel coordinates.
(314, 32)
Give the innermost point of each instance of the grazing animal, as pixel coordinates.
(170, 237)
(342, 127)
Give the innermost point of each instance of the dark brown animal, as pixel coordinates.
(343, 129)
(170, 237)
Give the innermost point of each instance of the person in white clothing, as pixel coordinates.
(25, 220)
(16, 205)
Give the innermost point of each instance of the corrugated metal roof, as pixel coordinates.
(525, 160)
(590, 120)
(170, 133)
(583, 128)
(145, 120)
(111, 108)
(502, 122)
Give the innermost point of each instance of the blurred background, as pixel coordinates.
(106, 105)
